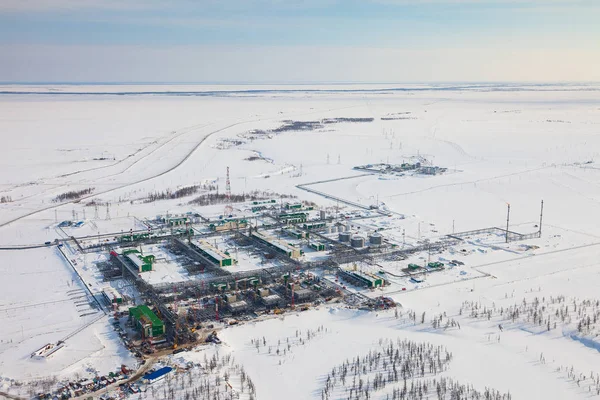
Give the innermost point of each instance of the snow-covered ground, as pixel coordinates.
(501, 144)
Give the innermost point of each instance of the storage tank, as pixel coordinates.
(376, 239)
(357, 241)
(333, 229)
(344, 237)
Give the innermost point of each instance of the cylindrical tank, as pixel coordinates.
(357, 241)
(329, 229)
(344, 237)
(322, 214)
(376, 238)
(333, 229)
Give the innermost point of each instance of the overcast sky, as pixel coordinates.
(296, 41)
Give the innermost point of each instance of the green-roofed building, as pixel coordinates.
(145, 319)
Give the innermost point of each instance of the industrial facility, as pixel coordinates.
(213, 254)
(142, 263)
(185, 272)
(146, 321)
(277, 245)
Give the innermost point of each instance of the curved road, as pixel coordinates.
(187, 156)
(172, 168)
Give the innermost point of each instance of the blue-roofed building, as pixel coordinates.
(157, 375)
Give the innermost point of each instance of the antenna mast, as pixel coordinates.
(228, 207)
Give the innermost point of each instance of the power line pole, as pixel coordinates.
(507, 220)
(541, 217)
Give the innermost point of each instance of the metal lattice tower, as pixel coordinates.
(228, 207)
(96, 215)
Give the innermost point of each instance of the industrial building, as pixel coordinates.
(228, 225)
(112, 295)
(292, 206)
(364, 279)
(294, 233)
(142, 263)
(268, 299)
(177, 221)
(277, 245)
(245, 283)
(213, 254)
(317, 246)
(314, 225)
(147, 321)
(293, 218)
(303, 294)
(157, 375)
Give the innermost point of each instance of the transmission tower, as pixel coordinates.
(96, 215)
(228, 207)
(108, 211)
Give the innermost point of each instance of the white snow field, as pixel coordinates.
(512, 322)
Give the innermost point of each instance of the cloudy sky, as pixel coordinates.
(297, 41)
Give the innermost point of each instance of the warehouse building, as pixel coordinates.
(147, 321)
(213, 254)
(277, 245)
